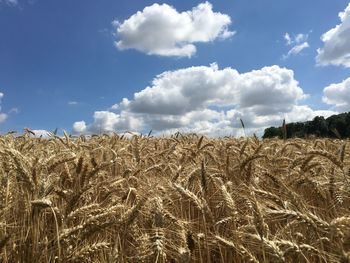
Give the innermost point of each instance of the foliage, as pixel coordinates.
(335, 126)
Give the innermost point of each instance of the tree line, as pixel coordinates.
(335, 126)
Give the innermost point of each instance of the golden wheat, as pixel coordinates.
(186, 198)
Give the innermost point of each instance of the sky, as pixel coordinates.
(87, 66)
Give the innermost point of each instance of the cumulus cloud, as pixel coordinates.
(336, 49)
(297, 43)
(301, 113)
(162, 30)
(79, 127)
(338, 95)
(208, 100)
(196, 88)
(107, 121)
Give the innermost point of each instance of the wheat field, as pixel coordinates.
(185, 198)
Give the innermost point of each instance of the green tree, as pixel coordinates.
(273, 132)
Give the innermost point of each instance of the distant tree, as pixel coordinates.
(318, 126)
(273, 132)
(338, 123)
(347, 121)
(333, 127)
(295, 130)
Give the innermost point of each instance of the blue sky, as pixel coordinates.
(93, 66)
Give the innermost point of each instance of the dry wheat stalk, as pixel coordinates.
(186, 198)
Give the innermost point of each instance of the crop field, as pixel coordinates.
(184, 198)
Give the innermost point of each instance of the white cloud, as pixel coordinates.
(298, 43)
(14, 110)
(106, 121)
(196, 88)
(338, 94)
(72, 103)
(41, 133)
(288, 39)
(304, 112)
(79, 127)
(162, 30)
(336, 49)
(9, 2)
(297, 39)
(208, 100)
(115, 107)
(300, 37)
(297, 49)
(3, 116)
